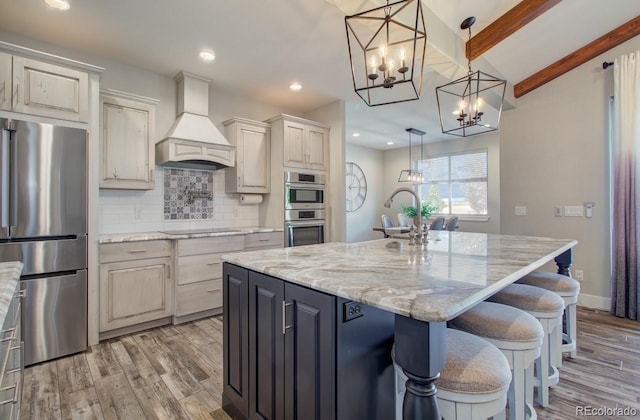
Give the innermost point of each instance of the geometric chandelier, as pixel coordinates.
(386, 49)
(472, 104)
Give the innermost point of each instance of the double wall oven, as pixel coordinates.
(304, 208)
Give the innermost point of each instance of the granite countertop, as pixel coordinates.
(454, 272)
(180, 234)
(9, 282)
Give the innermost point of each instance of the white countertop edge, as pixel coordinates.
(152, 236)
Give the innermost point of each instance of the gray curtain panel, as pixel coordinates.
(625, 293)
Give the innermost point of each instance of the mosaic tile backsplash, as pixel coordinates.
(188, 194)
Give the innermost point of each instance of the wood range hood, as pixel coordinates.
(193, 141)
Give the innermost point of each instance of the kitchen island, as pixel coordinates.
(286, 314)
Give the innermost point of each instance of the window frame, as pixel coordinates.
(470, 217)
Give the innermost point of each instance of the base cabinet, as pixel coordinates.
(199, 273)
(12, 361)
(135, 283)
(288, 350)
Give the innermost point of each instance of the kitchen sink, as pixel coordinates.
(205, 230)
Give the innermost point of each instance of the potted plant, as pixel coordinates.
(411, 211)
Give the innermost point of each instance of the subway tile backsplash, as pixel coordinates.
(130, 211)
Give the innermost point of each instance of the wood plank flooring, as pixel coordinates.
(175, 372)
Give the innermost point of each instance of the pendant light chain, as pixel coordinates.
(469, 58)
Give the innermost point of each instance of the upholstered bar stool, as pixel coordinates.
(519, 336)
(568, 289)
(473, 384)
(547, 307)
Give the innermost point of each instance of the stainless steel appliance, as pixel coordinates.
(43, 224)
(303, 227)
(304, 191)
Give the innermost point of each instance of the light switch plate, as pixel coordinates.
(574, 211)
(521, 210)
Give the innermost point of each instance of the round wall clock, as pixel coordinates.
(356, 187)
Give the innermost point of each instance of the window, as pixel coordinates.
(456, 184)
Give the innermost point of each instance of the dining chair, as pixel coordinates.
(404, 220)
(451, 224)
(437, 223)
(387, 222)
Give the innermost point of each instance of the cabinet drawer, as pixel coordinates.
(219, 244)
(128, 251)
(264, 239)
(198, 297)
(195, 268)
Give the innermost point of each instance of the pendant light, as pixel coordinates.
(386, 49)
(413, 175)
(472, 104)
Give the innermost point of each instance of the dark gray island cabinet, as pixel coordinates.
(291, 352)
(308, 330)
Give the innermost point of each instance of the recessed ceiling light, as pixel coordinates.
(389, 143)
(58, 4)
(295, 86)
(356, 134)
(207, 56)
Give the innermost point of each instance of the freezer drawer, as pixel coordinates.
(48, 256)
(54, 316)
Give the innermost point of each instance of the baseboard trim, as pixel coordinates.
(594, 302)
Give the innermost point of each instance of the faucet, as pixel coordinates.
(417, 240)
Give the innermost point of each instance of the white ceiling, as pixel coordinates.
(261, 47)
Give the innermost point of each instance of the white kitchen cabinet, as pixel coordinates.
(199, 275)
(263, 240)
(12, 367)
(305, 143)
(5, 81)
(46, 89)
(305, 146)
(135, 283)
(253, 156)
(127, 143)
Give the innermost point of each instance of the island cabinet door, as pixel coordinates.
(266, 347)
(235, 388)
(309, 354)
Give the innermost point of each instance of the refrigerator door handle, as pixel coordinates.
(13, 180)
(4, 180)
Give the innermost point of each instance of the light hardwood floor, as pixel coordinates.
(174, 372)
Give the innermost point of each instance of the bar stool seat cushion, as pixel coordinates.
(529, 298)
(558, 283)
(473, 365)
(500, 322)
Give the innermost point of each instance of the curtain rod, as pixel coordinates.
(606, 64)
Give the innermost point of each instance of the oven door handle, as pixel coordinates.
(309, 223)
(294, 185)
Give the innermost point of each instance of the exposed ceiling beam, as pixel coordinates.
(523, 13)
(619, 35)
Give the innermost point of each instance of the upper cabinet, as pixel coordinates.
(253, 155)
(127, 145)
(305, 143)
(39, 88)
(5, 81)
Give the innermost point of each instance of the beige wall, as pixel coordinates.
(398, 159)
(554, 152)
(361, 221)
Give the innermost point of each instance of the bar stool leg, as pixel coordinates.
(542, 370)
(571, 329)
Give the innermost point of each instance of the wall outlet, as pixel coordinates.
(579, 275)
(557, 211)
(574, 211)
(521, 210)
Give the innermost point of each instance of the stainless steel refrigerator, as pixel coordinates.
(43, 223)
